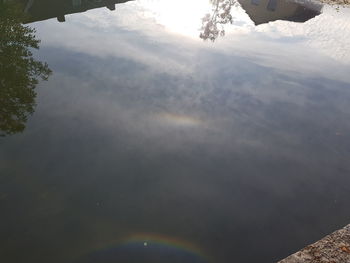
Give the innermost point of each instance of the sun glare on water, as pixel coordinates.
(184, 17)
(179, 16)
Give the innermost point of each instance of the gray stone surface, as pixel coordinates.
(334, 248)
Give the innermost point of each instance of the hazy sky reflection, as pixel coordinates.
(143, 127)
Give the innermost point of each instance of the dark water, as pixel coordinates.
(149, 144)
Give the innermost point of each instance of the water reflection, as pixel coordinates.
(177, 120)
(259, 11)
(221, 11)
(221, 14)
(146, 248)
(264, 11)
(206, 148)
(41, 10)
(19, 71)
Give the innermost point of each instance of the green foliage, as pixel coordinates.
(19, 71)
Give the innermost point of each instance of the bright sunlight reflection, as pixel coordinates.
(185, 16)
(178, 16)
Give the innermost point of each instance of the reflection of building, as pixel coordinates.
(264, 11)
(46, 9)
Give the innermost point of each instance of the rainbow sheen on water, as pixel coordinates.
(152, 248)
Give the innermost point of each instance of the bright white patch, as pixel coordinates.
(185, 16)
(181, 16)
(328, 33)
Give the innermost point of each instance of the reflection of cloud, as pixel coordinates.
(231, 82)
(117, 35)
(112, 123)
(177, 120)
(181, 17)
(135, 30)
(328, 33)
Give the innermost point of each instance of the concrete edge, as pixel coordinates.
(334, 248)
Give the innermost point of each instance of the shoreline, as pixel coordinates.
(334, 248)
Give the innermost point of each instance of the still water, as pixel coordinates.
(172, 131)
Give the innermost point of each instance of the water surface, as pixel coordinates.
(161, 138)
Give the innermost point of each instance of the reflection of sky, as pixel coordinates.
(326, 34)
(145, 128)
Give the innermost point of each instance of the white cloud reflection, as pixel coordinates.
(328, 33)
(164, 34)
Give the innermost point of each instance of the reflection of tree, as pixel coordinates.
(19, 71)
(212, 24)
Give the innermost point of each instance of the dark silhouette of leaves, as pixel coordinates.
(19, 71)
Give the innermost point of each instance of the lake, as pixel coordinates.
(184, 131)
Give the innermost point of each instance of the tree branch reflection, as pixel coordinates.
(212, 24)
(19, 71)
(259, 11)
